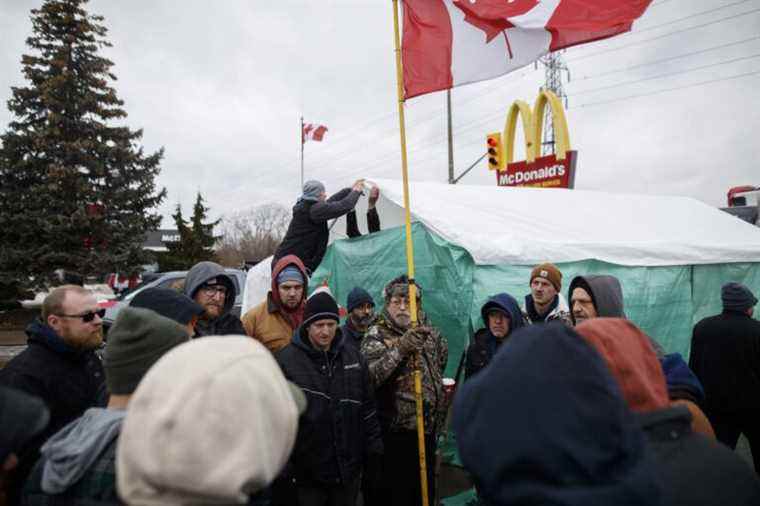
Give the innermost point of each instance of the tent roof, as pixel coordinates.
(523, 226)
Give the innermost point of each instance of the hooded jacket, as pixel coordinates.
(308, 234)
(340, 426)
(546, 424)
(484, 344)
(605, 292)
(77, 464)
(694, 470)
(226, 323)
(269, 322)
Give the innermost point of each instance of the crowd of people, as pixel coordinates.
(564, 400)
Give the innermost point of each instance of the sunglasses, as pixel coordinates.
(86, 317)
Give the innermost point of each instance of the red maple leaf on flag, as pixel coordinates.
(490, 16)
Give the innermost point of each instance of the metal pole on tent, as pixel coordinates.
(410, 257)
(302, 142)
(450, 137)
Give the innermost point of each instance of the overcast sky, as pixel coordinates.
(222, 86)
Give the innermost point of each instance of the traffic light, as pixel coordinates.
(495, 151)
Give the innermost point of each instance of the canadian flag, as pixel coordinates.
(313, 132)
(448, 43)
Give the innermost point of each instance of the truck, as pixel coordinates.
(744, 203)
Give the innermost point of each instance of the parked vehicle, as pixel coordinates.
(174, 280)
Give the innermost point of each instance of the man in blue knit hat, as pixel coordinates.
(361, 315)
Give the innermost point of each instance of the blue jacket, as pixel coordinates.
(547, 424)
(484, 344)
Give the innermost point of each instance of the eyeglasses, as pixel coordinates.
(212, 290)
(86, 317)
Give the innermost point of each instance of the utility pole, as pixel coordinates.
(554, 66)
(451, 137)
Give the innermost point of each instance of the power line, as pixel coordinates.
(702, 83)
(654, 27)
(668, 74)
(676, 32)
(664, 60)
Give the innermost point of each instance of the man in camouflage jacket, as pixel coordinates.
(391, 347)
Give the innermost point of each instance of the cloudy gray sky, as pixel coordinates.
(222, 88)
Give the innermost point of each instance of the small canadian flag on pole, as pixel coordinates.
(313, 132)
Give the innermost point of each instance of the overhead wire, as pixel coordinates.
(669, 34)
(665, 60)
(662, 76)
(657, 92)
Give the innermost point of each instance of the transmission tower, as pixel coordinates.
(554, 68)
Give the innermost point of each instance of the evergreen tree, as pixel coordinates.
(196, 240)
(77, 192)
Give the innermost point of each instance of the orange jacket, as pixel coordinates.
(268, 322)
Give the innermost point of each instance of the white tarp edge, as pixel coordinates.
(522, 226)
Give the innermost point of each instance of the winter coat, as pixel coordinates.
(308, 233)
(225, 324)
(606, 294)
(545, 423)
(69, 380)
(693, 469)
(340, 427)
(269, 322)
(558, 311)
(77, 465)
(352, 227)
(392, 376)
(690, 466)
(484, 344)
(725, 356)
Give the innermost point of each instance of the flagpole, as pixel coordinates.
(410, 256)
(302, 143)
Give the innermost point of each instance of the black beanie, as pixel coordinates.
(320, 306)
(737, 297)
(357, 297)
(137, 339)
(169, 303)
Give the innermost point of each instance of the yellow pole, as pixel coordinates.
(410, 256)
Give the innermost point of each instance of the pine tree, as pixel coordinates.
(196, 240)
(77, 192)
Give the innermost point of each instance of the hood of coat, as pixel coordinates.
(70, 453)
(46, 335)
(681, 380)
(508, 305)
(631, 359)
(577, 444)
(204, 271)
(605, 292)
(281, 264)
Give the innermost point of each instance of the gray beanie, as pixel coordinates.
(737, 297)
(137, 339)
(312, 190)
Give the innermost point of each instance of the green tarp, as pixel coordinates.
(664, 301)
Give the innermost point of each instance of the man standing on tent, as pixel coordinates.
(725, 356)
(308, 233)
(275, 319)
(390, 348)
(545, 303)
(502, 316)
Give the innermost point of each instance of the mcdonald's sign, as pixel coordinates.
(557, 170)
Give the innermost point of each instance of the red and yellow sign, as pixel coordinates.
(552, 171)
